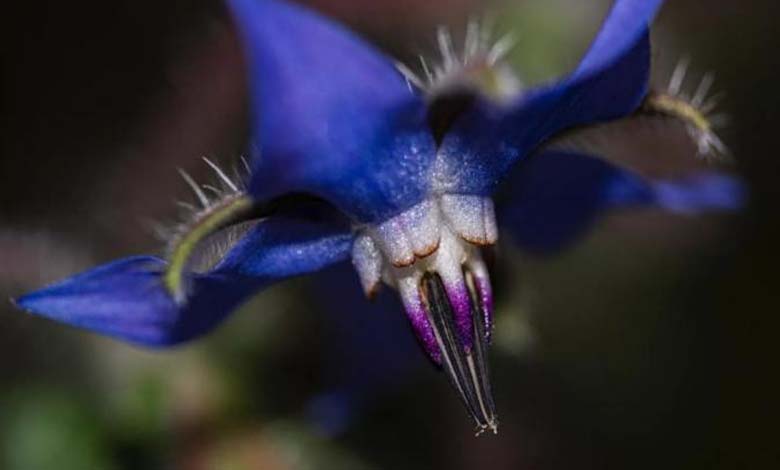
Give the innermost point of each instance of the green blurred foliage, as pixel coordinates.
(45, 429)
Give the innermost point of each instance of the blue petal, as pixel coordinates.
(556, 196)
(704, 190)
(625, 27)
(609, 83)
(332, 116)
(126, 299)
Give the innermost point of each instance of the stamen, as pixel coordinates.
(368, 262)
(478, 282)
(431, 254)
(466, 368)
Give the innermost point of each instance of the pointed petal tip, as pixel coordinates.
(24, 301)
(704, 192)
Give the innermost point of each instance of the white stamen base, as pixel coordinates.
(441, 235)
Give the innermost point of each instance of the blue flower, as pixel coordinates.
(368, 162)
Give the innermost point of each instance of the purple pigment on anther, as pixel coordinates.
(461, 307)
(424, 331)
(486, 299)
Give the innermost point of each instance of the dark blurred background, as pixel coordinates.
(645, 346)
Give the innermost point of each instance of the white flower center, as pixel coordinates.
(441, 235)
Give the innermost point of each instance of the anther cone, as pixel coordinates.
(431, 255)
(464, 364)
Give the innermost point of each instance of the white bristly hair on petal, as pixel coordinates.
(671, 125)
(478, 64)
(695, 109)
(208, 228)
(208, 198)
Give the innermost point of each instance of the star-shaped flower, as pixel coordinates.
(366, 161)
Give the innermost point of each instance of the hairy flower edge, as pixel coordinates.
(696, 111)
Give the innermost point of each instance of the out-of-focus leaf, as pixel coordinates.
(44, 430)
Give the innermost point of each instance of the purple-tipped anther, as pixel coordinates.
(481, 284)
(464, 364)
(418, 317)
(445, 290)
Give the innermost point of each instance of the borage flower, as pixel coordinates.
(365, 161)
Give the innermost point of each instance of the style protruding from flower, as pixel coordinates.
(396, 171)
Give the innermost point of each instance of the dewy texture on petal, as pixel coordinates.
(127, 299)
(609, 83)
(332, 115)
(556, 196)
